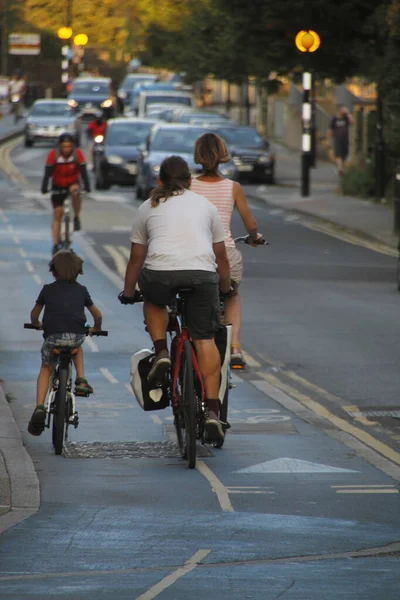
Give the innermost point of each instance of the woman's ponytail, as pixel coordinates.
(175, 178)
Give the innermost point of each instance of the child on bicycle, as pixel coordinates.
(64, 303)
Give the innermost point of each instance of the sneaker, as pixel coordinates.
(82, 388)
(38, 419)
(237, 360)
(77, 224)
(160, 368)
(213, 428)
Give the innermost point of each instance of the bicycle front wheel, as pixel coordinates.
(60, 411)
(189, 404)
(67, 235)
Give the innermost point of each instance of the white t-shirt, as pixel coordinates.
(179, 232)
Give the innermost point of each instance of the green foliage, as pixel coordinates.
(358, 180)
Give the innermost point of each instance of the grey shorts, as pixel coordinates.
(65, 340)
(203, 305)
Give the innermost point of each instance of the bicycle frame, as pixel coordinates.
(182, 336)
(64, 361)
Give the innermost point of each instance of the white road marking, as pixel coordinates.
(119, 260)
(108, 375)
(362, 486)
(169, 580)
(29, 266)
(10, 228)
(92, 344)
(125, 251)
(16, 239)
(216, 485)
(37, 279)
(109, 198)
(3, 216)
(368, 491)
(156, 419)
(123, 228)
(22, 252)
(249, 489)
(292, 465)
(128, 387)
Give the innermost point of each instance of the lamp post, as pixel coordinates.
(306, 42)
(65, 34)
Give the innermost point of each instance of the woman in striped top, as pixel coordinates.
(210, 151)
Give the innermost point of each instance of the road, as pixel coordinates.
(306, 486)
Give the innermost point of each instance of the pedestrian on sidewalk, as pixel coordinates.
(338, 132)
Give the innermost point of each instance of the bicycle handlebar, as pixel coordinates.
(101, 332)
(247, 240)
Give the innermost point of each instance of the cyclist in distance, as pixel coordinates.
(178, 237)
(96, 127)
(65, 166)
(225, 194)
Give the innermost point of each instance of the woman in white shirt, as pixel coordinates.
(225, 194)
(178, 239)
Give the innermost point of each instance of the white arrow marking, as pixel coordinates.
(292, 465)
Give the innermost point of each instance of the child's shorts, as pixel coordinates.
(65, 340)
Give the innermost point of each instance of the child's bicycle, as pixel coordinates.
(60, 401)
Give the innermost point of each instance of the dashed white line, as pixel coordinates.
(29, 266)
(119, 260)
(22, 252)
(92, 344)
(169, 580)
(156, 419)
(37, 279)
(10, 228)
(108, 375)
(216, 485)
(125, 251)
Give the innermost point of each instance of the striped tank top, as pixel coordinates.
(219, 193)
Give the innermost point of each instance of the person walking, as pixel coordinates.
(338, 136)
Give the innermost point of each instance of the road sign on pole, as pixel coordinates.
(24, 44)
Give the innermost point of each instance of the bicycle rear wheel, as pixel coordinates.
(189, 404)
(60, 411)
(67, 235)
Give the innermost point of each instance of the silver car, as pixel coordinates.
(48, 119)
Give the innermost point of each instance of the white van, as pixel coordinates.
(185, 99)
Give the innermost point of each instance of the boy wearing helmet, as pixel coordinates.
(65, 166)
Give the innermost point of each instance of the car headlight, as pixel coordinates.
(73, 103)
(227, 171)
(114, 159)
(237, 160)
(122, 94)
(264, 158)
(106, 104)
(156, 168)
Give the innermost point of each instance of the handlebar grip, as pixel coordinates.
(30, 326)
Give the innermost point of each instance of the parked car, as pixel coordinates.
(93, 94)
(48, 119)
(116, 155)
(164, 140)
(147, 98)
(131, 80)
(250, 152)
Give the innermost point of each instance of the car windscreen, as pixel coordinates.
(86, 87)
(130, 83)
(52, 109)
(242, 136)
(124, 134)
(175, 140)
(160, 99)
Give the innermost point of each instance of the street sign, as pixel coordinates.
(24, 44)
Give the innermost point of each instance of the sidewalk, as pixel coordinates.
(9, 129)
(325, 201)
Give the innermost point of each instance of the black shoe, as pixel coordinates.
(77, 224)
(160, 368)
(38, 419)
(213, 428)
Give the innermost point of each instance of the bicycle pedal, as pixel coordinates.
(82, 394)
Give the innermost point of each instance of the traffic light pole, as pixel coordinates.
(306, 140)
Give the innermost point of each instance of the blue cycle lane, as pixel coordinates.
(283, 508)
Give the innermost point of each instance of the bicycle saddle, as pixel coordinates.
(183, 290)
